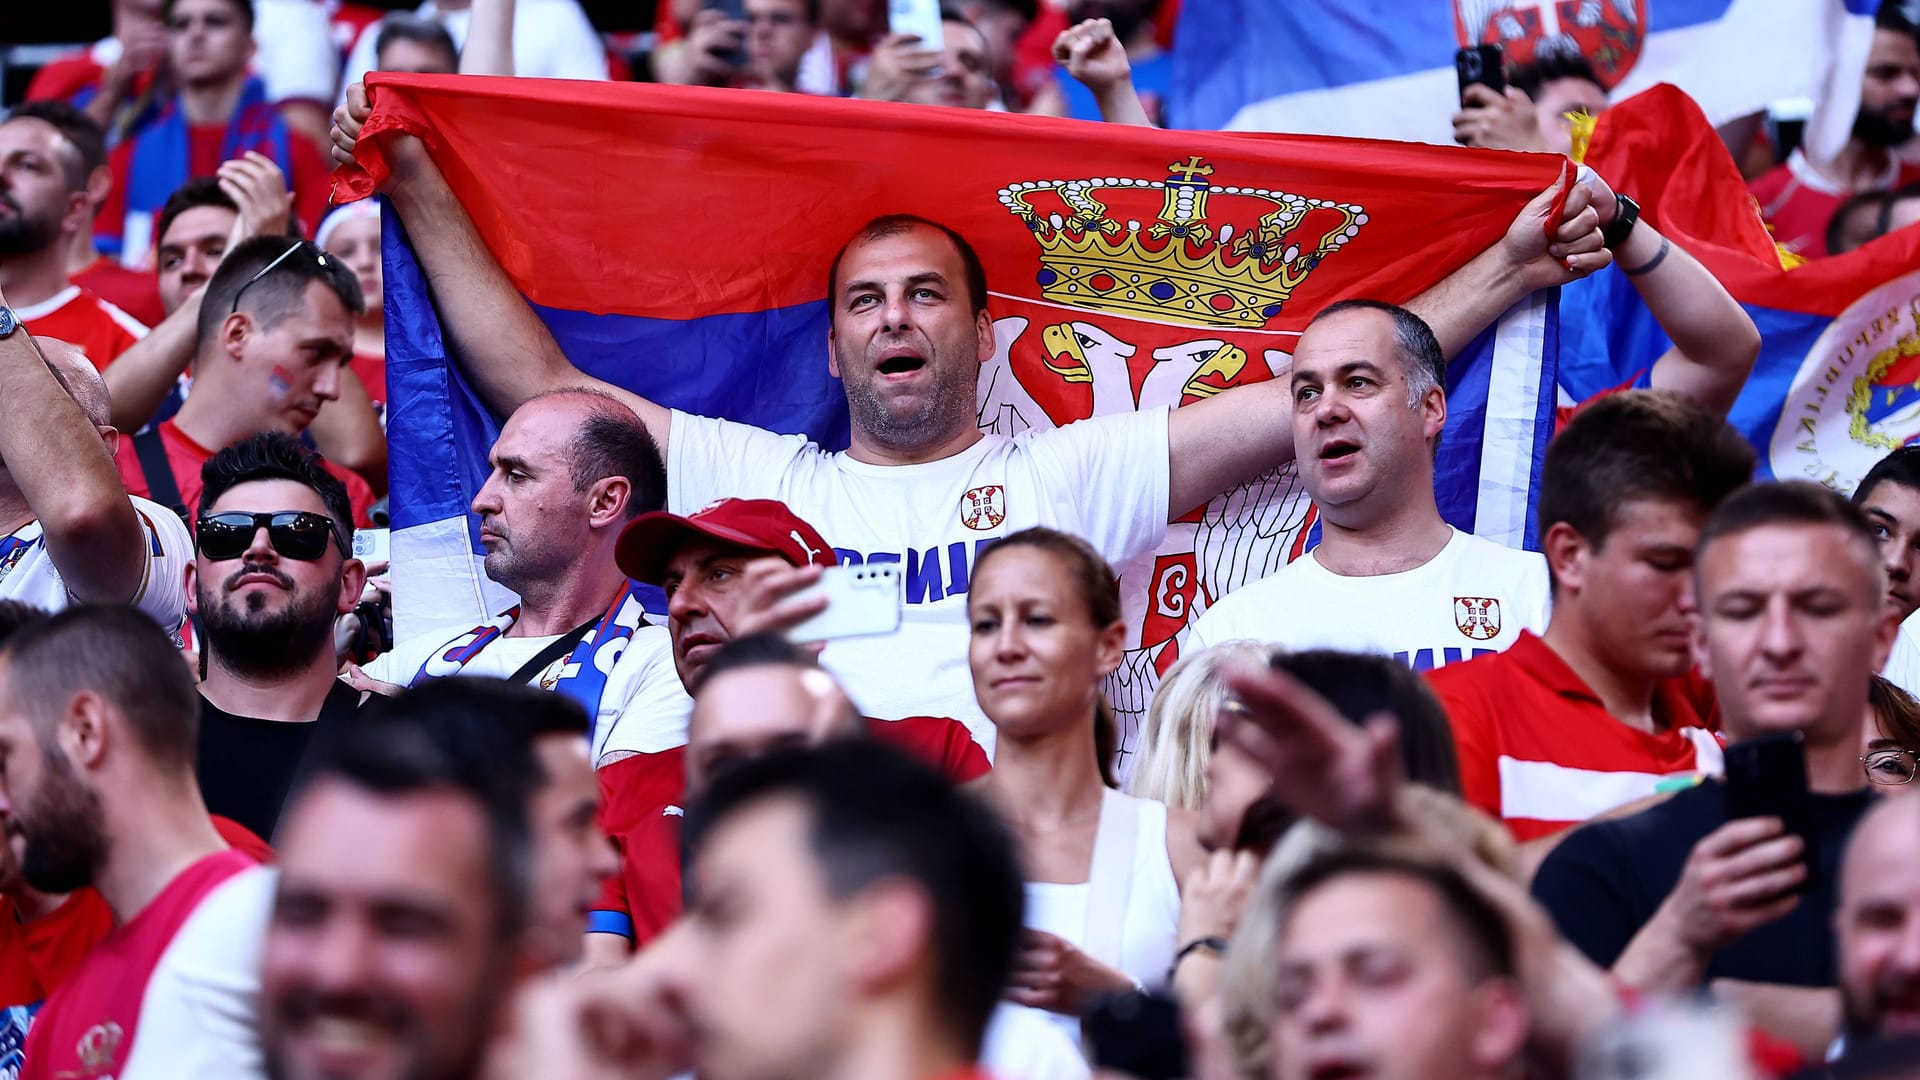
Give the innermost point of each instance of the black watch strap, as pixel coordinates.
(1624, 219)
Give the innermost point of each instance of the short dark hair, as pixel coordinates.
(1419, 350)
(1554, 58)
(1848, 213)
(1901, 467)
(1486, 945)
(395, 759)
(1640, 444)
(280, 292)
(893, 225)
(406, 26)
(1884, 223)
(613, 441)
(193, 194)
(1362, 686)
(123, 656)
(83, 131)
(875, 813)
(275, 455)
(14, 615)
(244, 7)
(755, 650)
(1788, 502)
(488, 725)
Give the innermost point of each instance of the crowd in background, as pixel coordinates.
(1645, 815)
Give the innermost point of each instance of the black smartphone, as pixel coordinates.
(1483, 64)
(1767, 777)
(1137, 1034)
(737, 11)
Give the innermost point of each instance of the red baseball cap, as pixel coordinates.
(650, 540)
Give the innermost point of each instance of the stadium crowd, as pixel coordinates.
(1653, 820)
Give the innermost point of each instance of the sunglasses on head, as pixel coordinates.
(295, 534)
(313, 253)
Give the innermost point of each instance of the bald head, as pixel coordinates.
(79, 378)
(1877, 922)
(608, 439)
(755, 704)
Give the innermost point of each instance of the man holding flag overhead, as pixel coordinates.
(909, 335)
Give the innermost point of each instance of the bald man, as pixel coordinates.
(1877, 924)
(69, 532)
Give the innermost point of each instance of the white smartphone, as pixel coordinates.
(861, 600)
(920, 18)
(371, 545)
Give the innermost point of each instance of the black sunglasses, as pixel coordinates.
(316, 254)
(295, 534)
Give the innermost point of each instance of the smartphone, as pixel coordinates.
(1666, 1040)
(920, 18)
(372, 545)
(1483, 64)
(1767, 777)
(1137, 1035)
(862, 599)
(737, 11)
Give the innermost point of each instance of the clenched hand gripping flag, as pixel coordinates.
(676, 241)
(1837, 384)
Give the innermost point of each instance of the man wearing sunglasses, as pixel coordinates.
(276, 327)
(273, 570)
(67, 529)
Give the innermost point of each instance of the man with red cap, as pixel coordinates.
(729, 572)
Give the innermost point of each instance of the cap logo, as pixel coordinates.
(804, 546)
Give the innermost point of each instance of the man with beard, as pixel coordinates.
(396, 932)
(921, 484)
(273, 571)
(1799, 198)
(97, 718)
(1877, 925)
(274, 335)
(44, 206)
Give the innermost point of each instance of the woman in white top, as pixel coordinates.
(1103, 903)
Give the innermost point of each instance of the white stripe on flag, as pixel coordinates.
(1543, 791)
(444, 587)
(1513, 418)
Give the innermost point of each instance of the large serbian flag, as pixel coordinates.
(1837, 384)
(1383, 69)
(677, 241)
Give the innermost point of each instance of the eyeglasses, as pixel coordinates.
(1891, 767)
(318, 256)
(295, 534)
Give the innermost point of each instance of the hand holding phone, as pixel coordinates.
(920, 18)
(1482, 65)
(1767, 778)
(861, 599)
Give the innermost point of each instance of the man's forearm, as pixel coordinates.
(1716, 340)
(1467, 301)
(1658, 960)
(507, 351)
(56, 458)
(140, 379)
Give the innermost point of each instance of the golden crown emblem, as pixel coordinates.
(1183, 266)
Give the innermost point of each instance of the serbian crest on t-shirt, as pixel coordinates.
(984, 507)
(1478, 617)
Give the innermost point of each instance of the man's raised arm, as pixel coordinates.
(64, 472)
(503, 347)
(1230, 438)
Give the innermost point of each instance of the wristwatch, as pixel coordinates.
(1625, 217)
(9, 322)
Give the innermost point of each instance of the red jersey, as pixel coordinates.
(1797, 201)
(1540, 752)
(187, 456)
(88, 1027)
(642, 801)
(132, 291)
(36, 957)
(310, 180)
(79, 317)
(372, 371)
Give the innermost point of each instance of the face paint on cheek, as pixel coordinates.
(280, 382)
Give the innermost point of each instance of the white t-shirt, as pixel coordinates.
(1471, 599)
(643, 710)
(27, 573)
(201, 1013)
(295, 55)
(552, 39)
(1903, 663)
(1103, 479)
